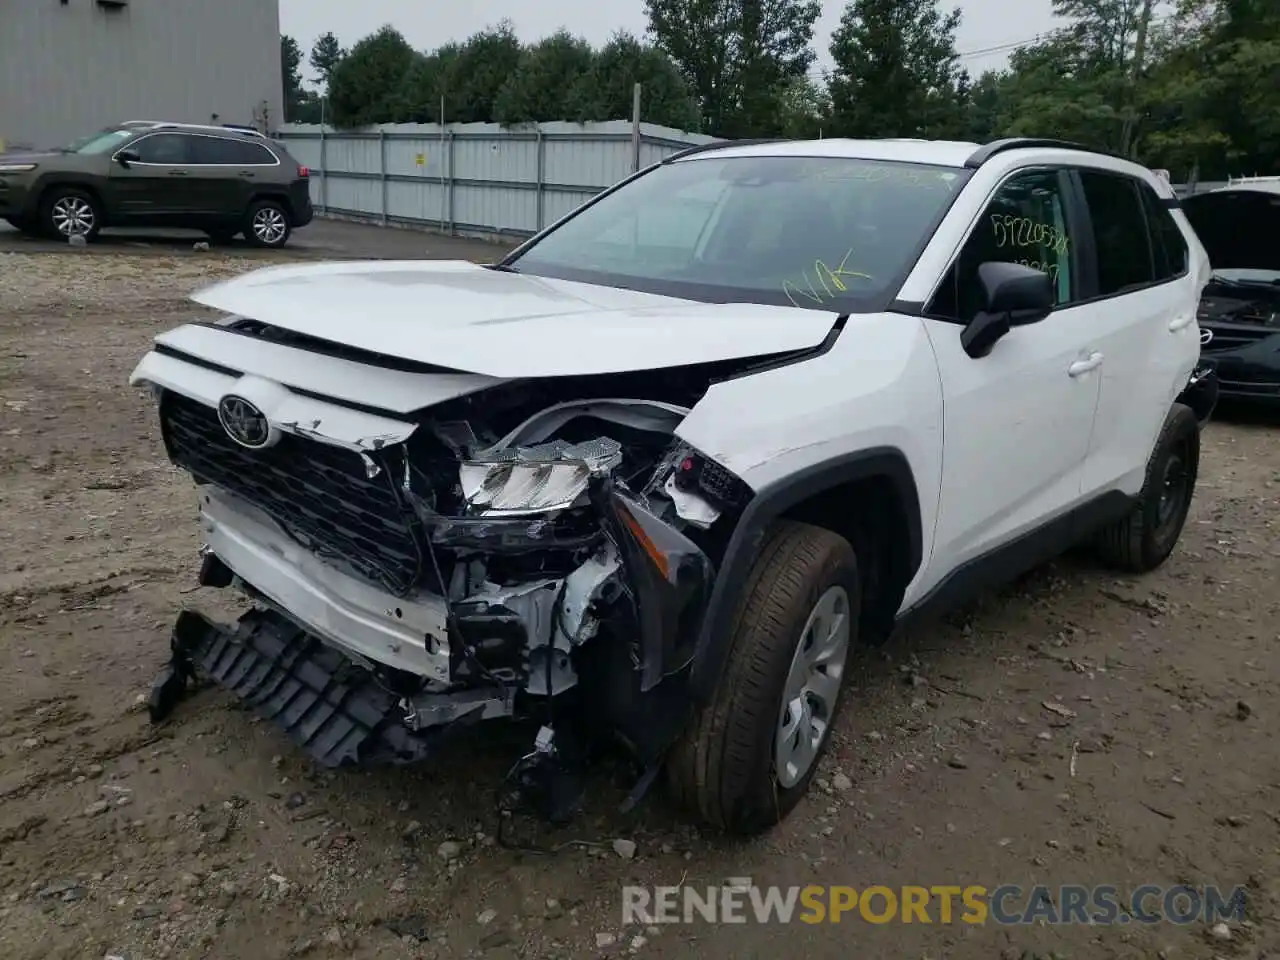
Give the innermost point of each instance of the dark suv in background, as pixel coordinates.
(224, 181)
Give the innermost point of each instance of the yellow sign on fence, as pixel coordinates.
(420, 159)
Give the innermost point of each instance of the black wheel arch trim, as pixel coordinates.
(770, 503)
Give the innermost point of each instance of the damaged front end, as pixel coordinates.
(410, 585)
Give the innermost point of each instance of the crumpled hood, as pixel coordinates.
(1237, 226)
(465, 317)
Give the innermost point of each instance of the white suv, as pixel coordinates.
(650, 478)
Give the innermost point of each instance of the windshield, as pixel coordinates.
(823, 233)
(103, 141)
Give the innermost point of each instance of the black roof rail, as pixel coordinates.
(720, 145)
(989, 150)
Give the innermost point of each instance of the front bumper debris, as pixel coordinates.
(328, 705)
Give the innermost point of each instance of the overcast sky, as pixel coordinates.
(986, 24)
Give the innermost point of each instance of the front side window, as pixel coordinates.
(163, 148)
(1026, 223)
(1120, 231)
(822, 233)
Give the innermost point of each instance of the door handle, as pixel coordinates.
(1081, 367)
(247, 174)
(177, 173)
(1182, 322)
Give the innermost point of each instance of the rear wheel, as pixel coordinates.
(68, 213)
(267, 224)
(1143, 540)
(748, 758)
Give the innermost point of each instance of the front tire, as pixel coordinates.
(267, 225)
(68, 212)
(747, 759)
(25, 225)
(1143, 540)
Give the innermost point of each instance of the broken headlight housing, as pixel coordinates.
(537, 479)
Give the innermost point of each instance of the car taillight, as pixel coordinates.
(304, 172)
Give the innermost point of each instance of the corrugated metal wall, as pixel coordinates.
(67, 67)
(473, 178)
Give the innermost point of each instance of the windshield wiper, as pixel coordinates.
(1231, 282)
(501, 267)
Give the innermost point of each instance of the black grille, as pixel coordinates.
(321, 494)
(1232, 338)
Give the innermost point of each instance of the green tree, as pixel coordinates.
(896, 71)
(606, 91)
(369, 85)
(805, 109)
(291, 75)
(737, 56)
(545, 86)
(483, 64)
(326, 54)
(433, 79)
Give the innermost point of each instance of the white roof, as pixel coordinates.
(945, 153)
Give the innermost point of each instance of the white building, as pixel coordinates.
(68, 67)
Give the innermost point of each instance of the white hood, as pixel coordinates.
(468, 318)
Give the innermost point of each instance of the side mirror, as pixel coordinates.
(126, 157)
(1015, 296)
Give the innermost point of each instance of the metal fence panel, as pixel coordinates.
(474, 179)
(478, 179)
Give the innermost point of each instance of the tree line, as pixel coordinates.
(1187, 85)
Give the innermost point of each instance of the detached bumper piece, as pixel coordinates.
(329, 706)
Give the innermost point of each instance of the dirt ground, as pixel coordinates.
(1157, 759)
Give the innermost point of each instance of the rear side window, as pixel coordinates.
(1168, 244)
(223, 152)
(1120, 232)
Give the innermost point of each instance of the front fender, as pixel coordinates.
(870, 405)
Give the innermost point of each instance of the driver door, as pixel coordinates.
(1017, 421)
(155, 187)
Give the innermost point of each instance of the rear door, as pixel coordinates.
(227, 171)
(153, 187)
(1142, 317)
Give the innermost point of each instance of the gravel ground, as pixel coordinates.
(1072, 729)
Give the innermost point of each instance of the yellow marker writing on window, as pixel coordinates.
(826, 277)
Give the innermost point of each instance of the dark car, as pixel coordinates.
(221, 180)
(1240, 308)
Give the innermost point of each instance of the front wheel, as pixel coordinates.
(748, 758)
(68, 213)
(267, 225)
(1143, 540)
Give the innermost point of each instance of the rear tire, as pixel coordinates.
(737, 766)
(68, 212)
(267, 225)
(1143, 540)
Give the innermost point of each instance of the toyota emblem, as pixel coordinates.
(1206, 336)
(245, 423)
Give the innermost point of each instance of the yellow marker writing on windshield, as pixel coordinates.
(825, 276)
